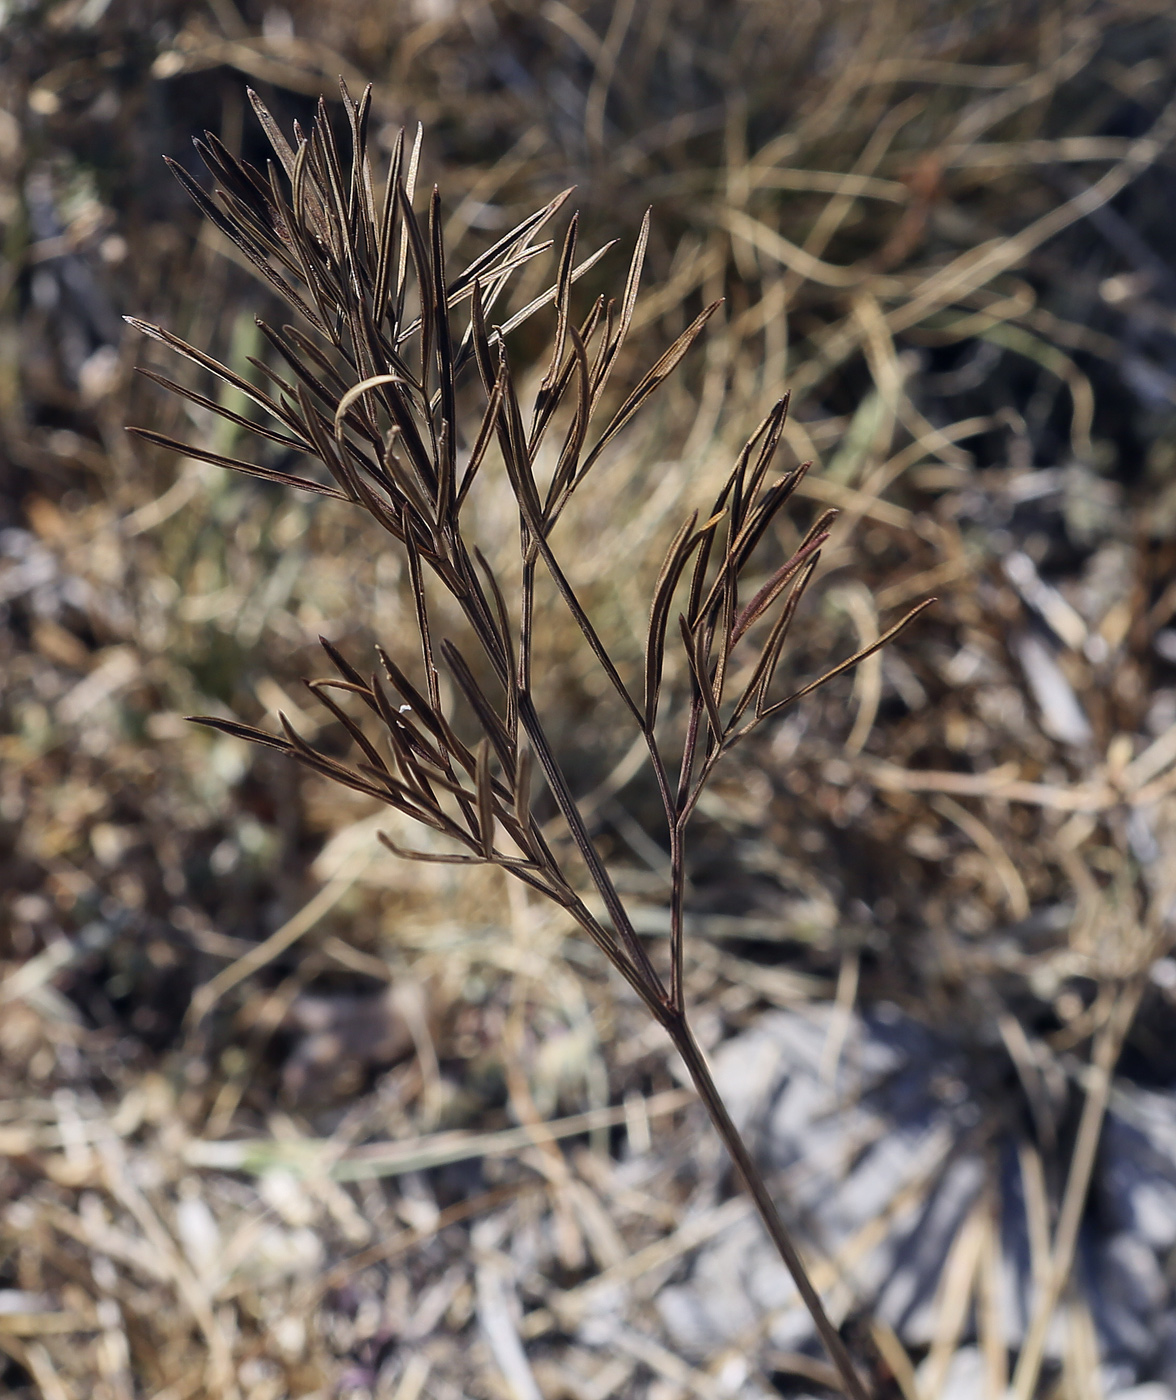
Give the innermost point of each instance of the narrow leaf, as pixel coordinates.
(299, 444)
(491, 725)
(387, 233)
(628, 305)
(237, 730)
(485, 800)
(701, 680)
(429, 857)
(282, 148)
(771, 590)
(565, 476)
(214, 367)
(563, 283)
(850, 662)
(405, 194)
(545, 298)
(486, 432)
(677, 555)
(774, 645)
(650, 381)
(484, 264)
(320, 690)
(235, 235)
(236, 464)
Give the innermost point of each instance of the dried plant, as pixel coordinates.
(377, 396)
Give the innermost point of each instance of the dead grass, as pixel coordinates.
(946, 237)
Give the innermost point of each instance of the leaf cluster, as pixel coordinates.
(372, 393)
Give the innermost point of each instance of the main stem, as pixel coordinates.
(680, 1033)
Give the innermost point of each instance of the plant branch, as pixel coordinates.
(377, 400)
(679, 1031)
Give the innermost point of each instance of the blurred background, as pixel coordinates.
(931, 909)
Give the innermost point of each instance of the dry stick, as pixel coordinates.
(1103, 1060)
(678, 1029)
(1016, 895)
(36, 1360)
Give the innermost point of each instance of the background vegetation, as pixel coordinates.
(945, 229)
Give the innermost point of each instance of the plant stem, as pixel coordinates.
(680, 1033)
(648, 983)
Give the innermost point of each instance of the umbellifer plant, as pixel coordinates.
(374, 391)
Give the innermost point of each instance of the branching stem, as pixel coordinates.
(380, 404)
